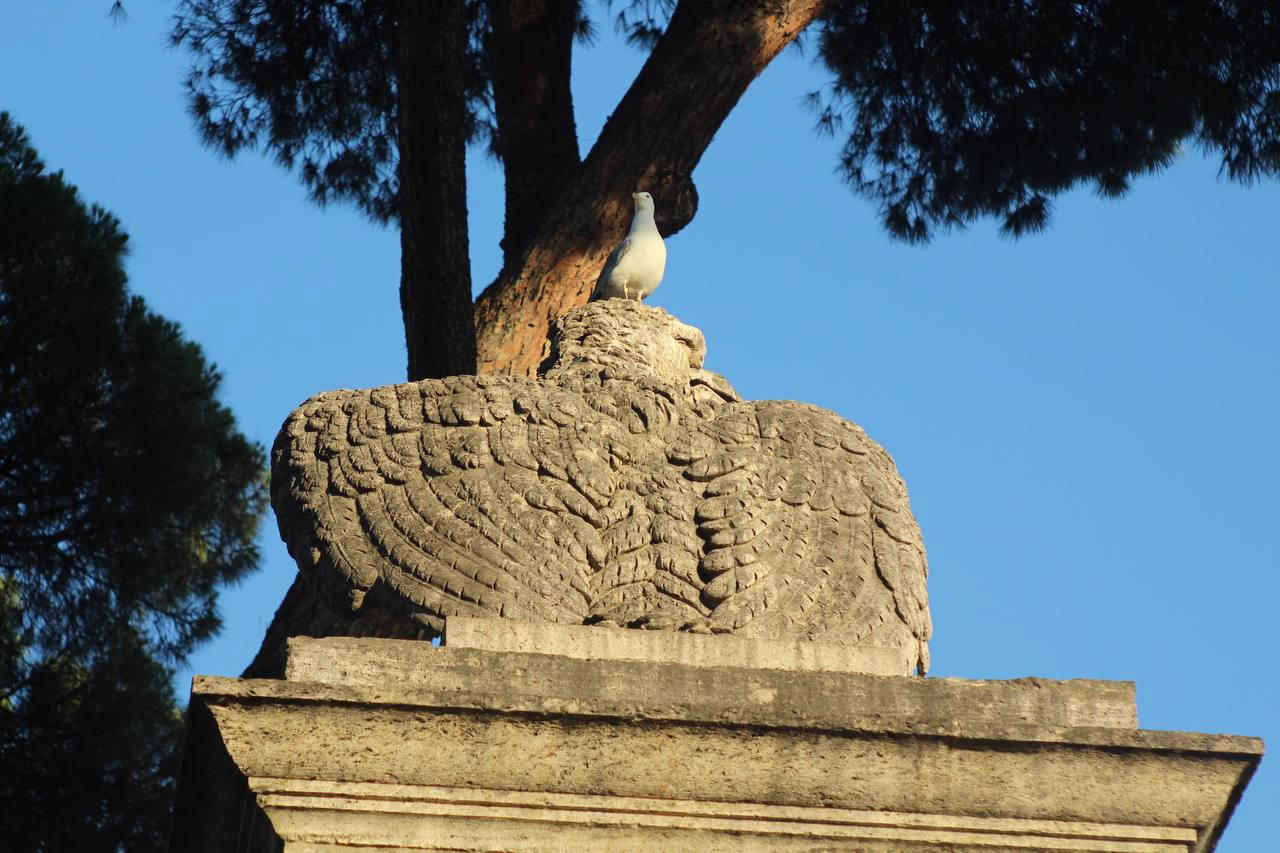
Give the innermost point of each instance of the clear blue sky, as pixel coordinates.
(1086, 419)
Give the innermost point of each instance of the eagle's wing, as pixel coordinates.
(806, 530)
(467, 495)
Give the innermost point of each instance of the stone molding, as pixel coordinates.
(416, 817)
(395, 745)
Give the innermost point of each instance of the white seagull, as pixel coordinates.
(635, 268)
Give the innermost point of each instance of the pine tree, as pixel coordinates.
(127, 497)
(949, 111)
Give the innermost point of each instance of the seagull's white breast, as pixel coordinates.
(640, 262)
(635, 268)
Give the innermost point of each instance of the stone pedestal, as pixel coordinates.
(520, 736)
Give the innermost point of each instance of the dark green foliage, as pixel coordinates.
(954, 110)
(963, 108)
(642, 21)
(90, 753)
(314, 83)
(126, 497)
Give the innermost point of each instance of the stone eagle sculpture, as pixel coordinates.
(625, 485)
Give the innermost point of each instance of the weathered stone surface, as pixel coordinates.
(604, 643)
(394, 745)
(626, 486)
(549, 675)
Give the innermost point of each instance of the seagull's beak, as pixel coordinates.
(635, 196)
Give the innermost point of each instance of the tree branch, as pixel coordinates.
(530, 55)
(698, 71)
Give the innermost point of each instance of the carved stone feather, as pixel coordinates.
(625, 485)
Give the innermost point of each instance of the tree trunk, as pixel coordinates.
(698, 71)
(435, 264)
(530, 55)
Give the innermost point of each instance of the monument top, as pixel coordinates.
(625, 486)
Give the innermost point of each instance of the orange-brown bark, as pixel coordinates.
(698, 71)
